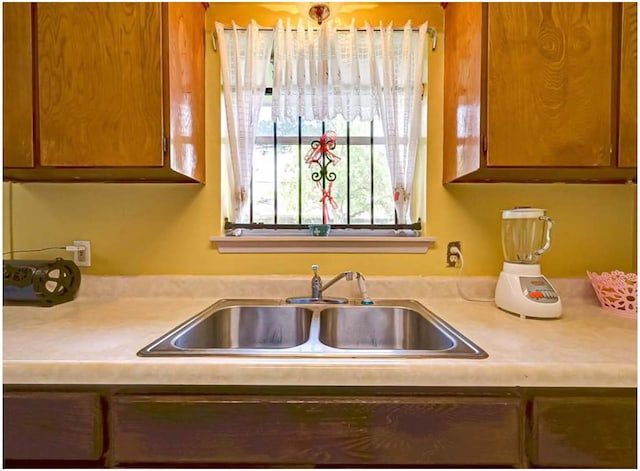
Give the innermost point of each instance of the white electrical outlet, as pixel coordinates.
(82, 258)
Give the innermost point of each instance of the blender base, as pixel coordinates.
(524, 291)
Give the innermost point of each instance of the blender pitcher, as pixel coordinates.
(526, 234)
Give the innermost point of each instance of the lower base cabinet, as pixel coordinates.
(304, 431)
(581, 431)
(63, 426)
(140, 426)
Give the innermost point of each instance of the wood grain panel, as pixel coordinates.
(628, 138)
(52, 426)
(100, 84)
(186, 88)
(549, 84)
(463, 100)
(17, 86)
(584, 432)
(337, 431)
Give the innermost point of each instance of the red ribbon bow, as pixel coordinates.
(323, 146)
(327, 198)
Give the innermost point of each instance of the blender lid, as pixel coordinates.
(522, 212)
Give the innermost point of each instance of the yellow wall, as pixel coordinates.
(165, 228)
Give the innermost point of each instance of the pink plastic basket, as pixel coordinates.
(617, 291)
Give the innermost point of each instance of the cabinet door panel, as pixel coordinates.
(584, 432)
(549, 84)
(17, 86)
(100, 84)
(186, 88)
(628, 143)
(463, 79)
(52, 426)
(322, 430)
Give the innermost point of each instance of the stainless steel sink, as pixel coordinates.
(248, 327)
(382, 327)
(251, 327)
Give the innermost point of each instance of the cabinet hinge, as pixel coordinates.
(164, 144)
(484, 144)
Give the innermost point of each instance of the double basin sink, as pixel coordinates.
(270, 328)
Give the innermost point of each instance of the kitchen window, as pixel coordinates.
(325, 125)
(284, 187)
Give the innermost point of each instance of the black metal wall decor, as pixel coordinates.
(321, 154)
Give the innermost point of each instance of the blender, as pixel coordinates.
(521, 288)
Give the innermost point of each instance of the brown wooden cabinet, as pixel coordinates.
(532, 92)
(583, 431)
(186, 426)
(17, 86)
(304, 430)
(53, 426)
(628, 136)
(119, 92)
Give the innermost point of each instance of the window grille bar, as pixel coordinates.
(348, 173)
(251, 199)
(275, 174)
(324, 173)
(293, 140)
(299, 169)
(371, 202)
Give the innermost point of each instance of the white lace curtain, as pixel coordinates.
(398, 82)
(244, 57)
(320, 72)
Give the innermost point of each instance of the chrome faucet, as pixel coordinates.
(317, 288)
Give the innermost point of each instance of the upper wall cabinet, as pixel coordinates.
(17, 86)
(628, 136)
(117, 92)
(540, 92)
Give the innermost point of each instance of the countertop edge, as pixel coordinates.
(334, 374)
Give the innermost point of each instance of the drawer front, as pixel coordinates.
(584, 432)
(52, 426)
(320, 430)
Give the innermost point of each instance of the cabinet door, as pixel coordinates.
(52, 426)
(628, 139)
(584, 432)
(186, 88)
(463, 89)
(549, 85)
(315, 430)
(100, 84)
(17, 86)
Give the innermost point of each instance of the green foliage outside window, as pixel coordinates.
(298, 197)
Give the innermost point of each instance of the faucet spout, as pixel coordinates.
(318, 288)
(347, 275)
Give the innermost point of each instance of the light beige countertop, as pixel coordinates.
(94, 339)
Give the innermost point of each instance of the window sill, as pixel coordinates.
(331, 244)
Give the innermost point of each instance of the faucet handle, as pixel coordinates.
(315, 269)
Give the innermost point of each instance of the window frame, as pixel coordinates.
(340, 241)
